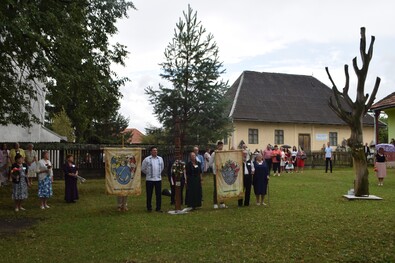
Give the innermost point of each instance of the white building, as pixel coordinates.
(37, 132)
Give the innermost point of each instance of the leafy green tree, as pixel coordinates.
(60, 48)
(157, 136)
(196, 97)
(108, 131)
(61, 124)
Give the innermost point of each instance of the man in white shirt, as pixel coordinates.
(328, 158)
(152, 167)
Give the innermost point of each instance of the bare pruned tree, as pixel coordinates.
(352, 112)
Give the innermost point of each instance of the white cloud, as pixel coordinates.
(298, 37)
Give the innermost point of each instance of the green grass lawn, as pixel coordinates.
(308, 220)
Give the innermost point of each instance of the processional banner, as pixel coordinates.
(229, 174)
(123, 171)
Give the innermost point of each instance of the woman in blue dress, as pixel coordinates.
(45, 178)
(20, 183)
(260, 179)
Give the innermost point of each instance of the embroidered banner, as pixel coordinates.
(229, 174)
(123, 171)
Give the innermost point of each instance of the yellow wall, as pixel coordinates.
(291, 133)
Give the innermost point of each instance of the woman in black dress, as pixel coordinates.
(194, 183)
(260, 179)
(70, 178)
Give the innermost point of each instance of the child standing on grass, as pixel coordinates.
(20, 182)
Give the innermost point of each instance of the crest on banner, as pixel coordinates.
(123, 171)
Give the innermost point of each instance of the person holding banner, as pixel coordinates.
(152, 167)
(220, 146)
(260, 179)
(193, 182)
(248, 169)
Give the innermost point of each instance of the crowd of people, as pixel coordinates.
(22, 167)
(256, 173)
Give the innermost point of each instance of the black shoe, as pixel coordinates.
(159, 211)
(149, 210)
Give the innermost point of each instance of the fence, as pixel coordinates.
(339, 159)
(89, 157)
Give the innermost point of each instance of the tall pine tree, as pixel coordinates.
(196, 97)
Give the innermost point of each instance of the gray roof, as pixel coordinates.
(283, 98)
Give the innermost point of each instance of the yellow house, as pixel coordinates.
(286, 109)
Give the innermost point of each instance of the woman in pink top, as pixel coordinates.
(267, 155)
(276, 159)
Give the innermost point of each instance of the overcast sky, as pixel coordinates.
(295, 37)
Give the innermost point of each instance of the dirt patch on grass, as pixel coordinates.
(11, 226)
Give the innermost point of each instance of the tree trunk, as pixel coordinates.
(361, 183)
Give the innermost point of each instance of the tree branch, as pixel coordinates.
(336, 92)
(370, 51)
(362, 45)
(342, 114)
(355, 66)
(346, 87)
(373, 96)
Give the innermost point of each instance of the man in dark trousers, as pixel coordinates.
(152, 167)
(248, 168)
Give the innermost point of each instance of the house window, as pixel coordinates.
(278, 136)
(253, 136)
(333, 138)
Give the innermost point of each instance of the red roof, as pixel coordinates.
(387, 102)
(136, 136)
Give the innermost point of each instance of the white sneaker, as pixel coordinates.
(263, 203)
(222, 206)
(215, 206)
(47, 206)
(42, 207)
(258, 203)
